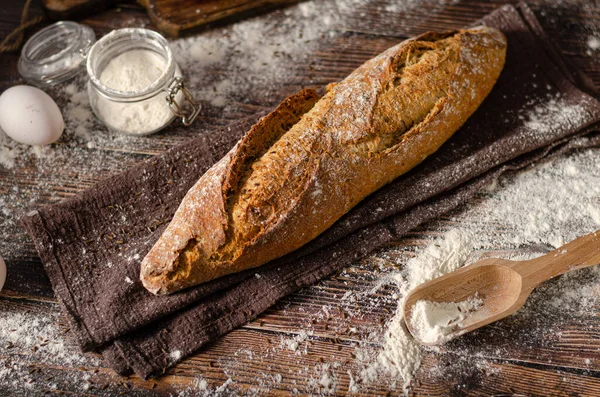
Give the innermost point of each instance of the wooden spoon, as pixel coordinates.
(502, 285)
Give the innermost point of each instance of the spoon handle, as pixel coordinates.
(579, 253)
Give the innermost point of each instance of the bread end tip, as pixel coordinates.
(150, 281)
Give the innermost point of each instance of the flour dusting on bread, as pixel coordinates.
(311, 160)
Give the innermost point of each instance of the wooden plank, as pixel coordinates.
(260, 362)
(546, 357)
(71, 9)
(173, 17)
(331, 64)
(500, 379)
(332, 339)
(28, 279)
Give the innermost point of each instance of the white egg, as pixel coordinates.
(28, 115)
(2, 273)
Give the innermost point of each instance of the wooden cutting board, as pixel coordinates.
(172, 17)
(71, 9)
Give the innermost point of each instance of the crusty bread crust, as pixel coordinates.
(312, 159)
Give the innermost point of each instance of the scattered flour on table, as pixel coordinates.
(527, 214)
(553, 114)
(403, 6)
(538, 209)
(593, 43)
(548, 205)
(532, 212)
(175, 355)
(294, 343)
(400, 355)
(199, 387)
(23, 334)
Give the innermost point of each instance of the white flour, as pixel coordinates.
(134, 71)
(434, 321)
(532, 212)
(593, 43)
(24, 334)
(400, 355)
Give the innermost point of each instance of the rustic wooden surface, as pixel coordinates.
(68, 9)
(172, 17)
(567, 365)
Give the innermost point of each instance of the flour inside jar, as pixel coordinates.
(134, 72)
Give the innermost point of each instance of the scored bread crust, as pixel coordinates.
(312, 159)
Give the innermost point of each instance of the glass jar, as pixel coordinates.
(56, 53)
(142, 110)
(135, 86)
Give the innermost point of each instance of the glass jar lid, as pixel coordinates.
(56, 53)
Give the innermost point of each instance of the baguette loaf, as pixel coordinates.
(312, 159)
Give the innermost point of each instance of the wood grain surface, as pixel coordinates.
(560, 357)
(172, 17)
(68, 9)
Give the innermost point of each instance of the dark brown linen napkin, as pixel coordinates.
(92, 245)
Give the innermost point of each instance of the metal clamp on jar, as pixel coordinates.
(135, 86)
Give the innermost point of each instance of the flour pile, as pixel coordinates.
(435, 321)
(400, 355)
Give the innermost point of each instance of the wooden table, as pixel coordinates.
(252, 356)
